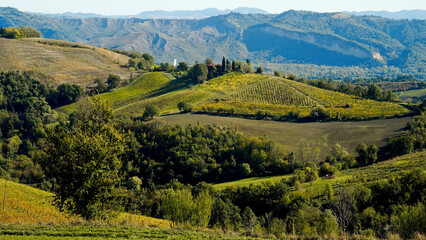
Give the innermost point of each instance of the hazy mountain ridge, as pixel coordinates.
(161, 14)
(333, 39)
(404, 14)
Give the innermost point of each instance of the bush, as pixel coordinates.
(411, 220)
(150, 112)
(184, 107)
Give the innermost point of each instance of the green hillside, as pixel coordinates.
(26, 205)
(238, 94)
(381, 170)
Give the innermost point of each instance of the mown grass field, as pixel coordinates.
(244, 94)
(60, 62)
(290, 134)
(381, 170)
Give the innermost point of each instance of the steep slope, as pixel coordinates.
(293, 37)
(60, 62)
(26, 205)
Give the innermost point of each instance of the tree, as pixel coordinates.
(277, 74)
(329, 193)
(208, 62)
(249, 219)
(372, 154)
(84, 160)
(149, 58)
(373, 92)
(344, 208)
(223, 64)
(113, 81)
(182, 66)
(233, 66)
(259, 70)
(184, 107)
(69, 93)
(131, 71)
(198, 73)
(133, 63)
(150, 112)
(100, 86)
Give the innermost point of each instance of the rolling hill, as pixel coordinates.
(381, 170)
(239, 94)
(58, 62)
(257, 96)
(364, 45)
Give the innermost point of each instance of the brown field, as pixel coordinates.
(60, 62)
(289, 134)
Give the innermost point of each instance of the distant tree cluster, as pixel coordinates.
(372, 92)
(113, 81)
(201, 72)
(142, 61)
(21, 32)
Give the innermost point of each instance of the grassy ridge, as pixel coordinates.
(381, 170)
(60, 62)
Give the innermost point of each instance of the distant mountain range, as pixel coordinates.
(405, 14)
(160, 14)
(211, 12)
(293, 37)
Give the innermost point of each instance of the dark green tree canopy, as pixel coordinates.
(113, 81)
(84, 160)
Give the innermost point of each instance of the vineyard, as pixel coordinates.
(247, 95)
(347, 106)
(271, 92)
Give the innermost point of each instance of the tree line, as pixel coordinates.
(21, 32)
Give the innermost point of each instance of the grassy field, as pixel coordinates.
(27, 205)
(60, 62)
(354, 176)
(412, 93)
(289, 134)
(92, 232)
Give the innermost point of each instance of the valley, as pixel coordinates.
(289, 135)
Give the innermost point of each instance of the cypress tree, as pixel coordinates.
(223, 64)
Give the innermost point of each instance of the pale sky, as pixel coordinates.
(128, 7)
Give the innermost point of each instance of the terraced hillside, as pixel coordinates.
(60, 62)
(238, 94)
